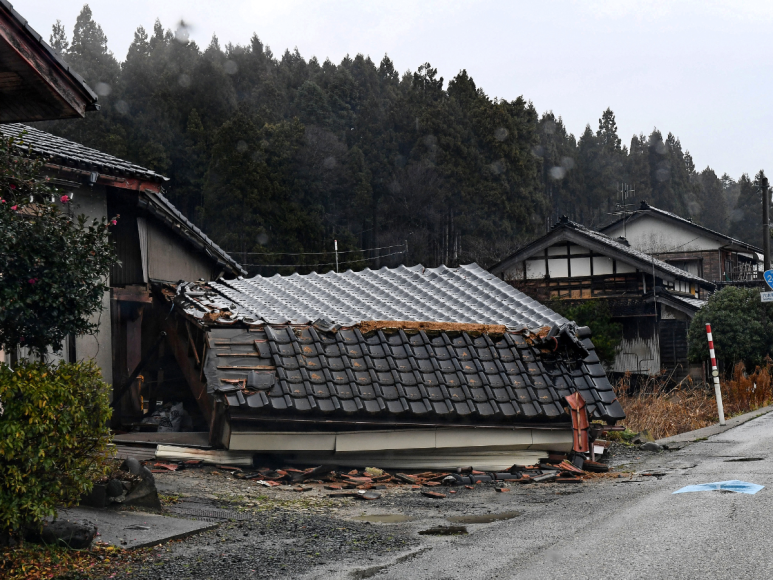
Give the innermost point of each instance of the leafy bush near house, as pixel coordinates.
(741, 325)
(595, 314)
(53, 438)
(53, 265)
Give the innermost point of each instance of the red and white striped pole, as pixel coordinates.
(715, 374)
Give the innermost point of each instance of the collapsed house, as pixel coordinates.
(653, 300)
(407, 367)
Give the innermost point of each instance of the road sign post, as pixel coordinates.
(715, 374)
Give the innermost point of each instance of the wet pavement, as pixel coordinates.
(627, 526)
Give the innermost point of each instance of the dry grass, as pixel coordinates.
(665, 411)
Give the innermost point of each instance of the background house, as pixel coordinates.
(653, 300)
(153, 240)
(701, 251)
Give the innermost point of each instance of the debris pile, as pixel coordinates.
(368, 482)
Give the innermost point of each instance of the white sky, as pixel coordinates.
(699, 69)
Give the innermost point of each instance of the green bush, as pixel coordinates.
(741, 325)
(53, 438)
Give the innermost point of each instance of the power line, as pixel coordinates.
(238, 253)
(326, 264)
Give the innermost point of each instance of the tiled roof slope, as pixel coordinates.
(71, 153)
(403, 376)
(467, 294)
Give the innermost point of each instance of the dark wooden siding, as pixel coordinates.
(673, 348)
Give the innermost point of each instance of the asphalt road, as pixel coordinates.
(616, 529)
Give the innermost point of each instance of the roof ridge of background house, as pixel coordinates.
(645, 207)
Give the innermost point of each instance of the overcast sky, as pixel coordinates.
(699, 69)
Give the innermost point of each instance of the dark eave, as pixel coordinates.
(35, 83)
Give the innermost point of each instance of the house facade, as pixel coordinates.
(652, 299)
(681, 242)
(153, 241)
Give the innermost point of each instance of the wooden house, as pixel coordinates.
(154, 242)
(681, 242)
(652, 299)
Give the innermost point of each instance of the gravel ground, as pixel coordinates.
(279, 533)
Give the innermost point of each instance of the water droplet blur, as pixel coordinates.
(329, 163)
(394, 187)
(400, 161)
(431, 142)
(184, 81)
(183, 32)
(241, 146)
(549, 127)
(498, 167)
(538, 151)
(122, 107)
(567, 163)
(102, 89)
(501, 134)
(263, 238)
(557, 172)
(736, 215)
(694, 207)
(661, 148)
(230, 67)
(662, 174)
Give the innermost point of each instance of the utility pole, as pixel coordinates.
(765, 191)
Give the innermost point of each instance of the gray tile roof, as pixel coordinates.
(70, 153)
(641, 256)
(280, 372)
(467, 294)
(692, 302)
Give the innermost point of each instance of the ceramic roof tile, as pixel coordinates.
(467, 294)
(296, 384)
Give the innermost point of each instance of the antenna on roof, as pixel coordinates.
(622, 207)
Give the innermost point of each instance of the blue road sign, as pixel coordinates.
(769, 278)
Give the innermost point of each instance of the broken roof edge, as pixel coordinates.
(367, 326)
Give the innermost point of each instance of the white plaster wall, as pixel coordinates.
(654, 235)
(91, 201)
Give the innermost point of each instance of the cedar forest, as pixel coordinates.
(275, 157)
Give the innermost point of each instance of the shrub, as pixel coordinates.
(53, 438)
(664, 411)
(53, 265)
(741, 325)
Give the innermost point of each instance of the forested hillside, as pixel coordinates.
(279, 155)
